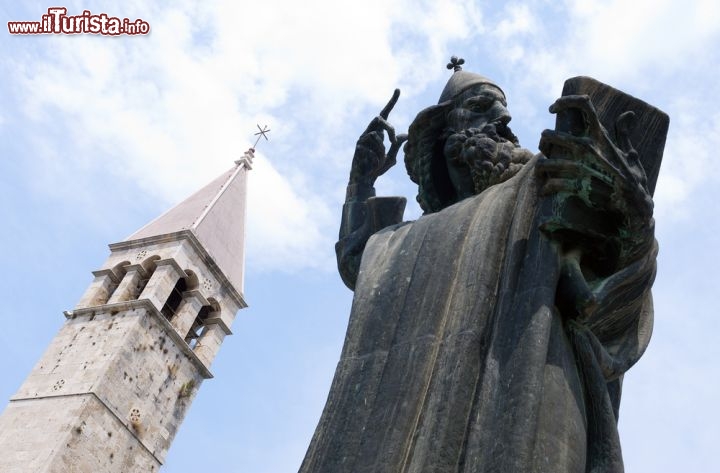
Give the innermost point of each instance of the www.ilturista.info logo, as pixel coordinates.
(57, 21)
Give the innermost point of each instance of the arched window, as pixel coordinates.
(149, 266)
(174, 299)
(118, 272)
(198, 326)
(191, 281)
(103, 286)
(120, 269)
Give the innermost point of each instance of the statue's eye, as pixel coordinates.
(479, 104)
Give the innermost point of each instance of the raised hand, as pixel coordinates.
(370, 159)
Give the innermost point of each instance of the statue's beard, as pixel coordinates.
(491, 154)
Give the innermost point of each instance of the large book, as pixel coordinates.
(648, 134)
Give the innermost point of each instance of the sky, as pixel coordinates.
(100, 134)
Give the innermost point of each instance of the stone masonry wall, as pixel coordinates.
(120, 366)
(64, 434)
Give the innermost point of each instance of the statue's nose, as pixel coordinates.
(503, 116)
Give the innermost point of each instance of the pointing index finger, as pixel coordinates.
(393, 100)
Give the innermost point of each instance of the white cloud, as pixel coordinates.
(619, 38)
(689, 163)
(172, 109)
(623, 39)
(519, 20)
(285, 229)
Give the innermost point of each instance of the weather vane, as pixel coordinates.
(261, 134)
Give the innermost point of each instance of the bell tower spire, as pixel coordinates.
(111, 390)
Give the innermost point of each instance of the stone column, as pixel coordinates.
(210, 340)
(129, 287)
(188, 311)
(100, 289)
(162, 282)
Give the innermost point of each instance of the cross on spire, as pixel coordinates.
(261, 134)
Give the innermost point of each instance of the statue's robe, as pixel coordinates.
(456, 358)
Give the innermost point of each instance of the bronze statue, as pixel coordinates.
(492, 334)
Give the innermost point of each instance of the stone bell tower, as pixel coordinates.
(111, 390)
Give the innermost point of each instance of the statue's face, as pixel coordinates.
(478, 106)
(481, 111)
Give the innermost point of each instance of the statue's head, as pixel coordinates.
(462, 145)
